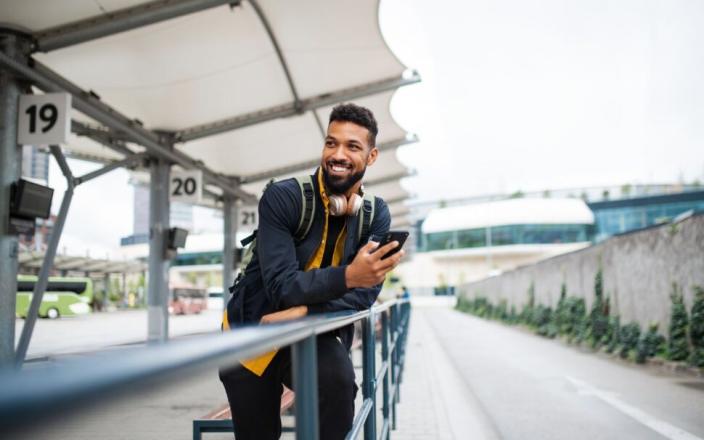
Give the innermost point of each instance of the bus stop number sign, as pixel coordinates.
(44, 119)
(248, 218)
(186, 186)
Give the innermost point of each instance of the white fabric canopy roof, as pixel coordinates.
(199, 71)
(509, 212)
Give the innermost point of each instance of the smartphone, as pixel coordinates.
(399, 236)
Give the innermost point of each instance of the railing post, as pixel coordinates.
(394, 340)
(385, 359)
(305, 384)
(368, 373)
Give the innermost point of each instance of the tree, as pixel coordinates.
(677, 346)
(599, 315)
(696, 328)
(650, 344)
(628, 337)
(626, 190)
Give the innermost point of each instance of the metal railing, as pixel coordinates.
(44, 391)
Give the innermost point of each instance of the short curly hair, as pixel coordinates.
(356, 114)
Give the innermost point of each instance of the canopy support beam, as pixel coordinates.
(390, 178)
(229, 246)
(289, 109)
(120, 21)
(302, 166)
(15, 47)
(89, 104)
(49, 255)
(101, 136)
(54, 238)
(158, 287)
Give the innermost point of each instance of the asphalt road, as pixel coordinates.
(96, 331)
(528, 387)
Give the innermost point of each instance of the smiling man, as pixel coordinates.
(311, 257)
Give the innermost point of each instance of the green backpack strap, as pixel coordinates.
(305, 183)
(306, 221)
(365, 222)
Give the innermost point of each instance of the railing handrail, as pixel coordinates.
(37, 392)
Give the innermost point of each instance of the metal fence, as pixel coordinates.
(41, 392)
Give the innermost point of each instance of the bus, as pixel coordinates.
(186, 299)
(64, 296)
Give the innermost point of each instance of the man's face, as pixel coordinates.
(346, 155)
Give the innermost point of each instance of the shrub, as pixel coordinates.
(651, 344)
(543, 321)
(613, 334)
(527, 313)
(562, 313)
(513, 316)
(578, 320)
(501, 311)
(677, 345)
(599, 314)
(628, 338)
(696, 328)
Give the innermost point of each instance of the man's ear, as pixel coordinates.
(372, 156)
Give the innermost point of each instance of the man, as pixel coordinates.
(328, 270)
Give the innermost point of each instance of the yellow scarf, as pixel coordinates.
(258, 364)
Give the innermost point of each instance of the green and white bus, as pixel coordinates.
(64, 296)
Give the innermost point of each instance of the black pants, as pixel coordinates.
(255, 401)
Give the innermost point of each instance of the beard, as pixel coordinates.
(340, 185)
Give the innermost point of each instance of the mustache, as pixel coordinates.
(333, 162)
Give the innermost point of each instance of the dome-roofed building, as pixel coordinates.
(460, 244)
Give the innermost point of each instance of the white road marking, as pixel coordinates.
(663, 428)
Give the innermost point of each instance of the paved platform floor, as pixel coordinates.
(465, 378)
(166, 412)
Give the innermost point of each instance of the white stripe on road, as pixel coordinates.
(657, 425)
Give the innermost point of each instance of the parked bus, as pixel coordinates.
(187, 299)
(64, 296)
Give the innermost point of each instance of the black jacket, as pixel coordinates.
(275, 278)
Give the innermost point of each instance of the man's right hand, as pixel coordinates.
(368, 269)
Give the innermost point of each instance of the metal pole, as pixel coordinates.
(489, 260)
(368, 373)
(106, 281)
(49, 256)
(10, 161)
(385, 358)
(305, 384)
(393, 367)
(158, 284)
(228, 252)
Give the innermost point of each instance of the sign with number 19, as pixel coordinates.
(44, 119)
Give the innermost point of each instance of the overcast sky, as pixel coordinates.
(531, 95)
(516, 95)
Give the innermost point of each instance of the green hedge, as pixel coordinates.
(599, 329)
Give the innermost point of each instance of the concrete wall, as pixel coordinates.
(638, 269)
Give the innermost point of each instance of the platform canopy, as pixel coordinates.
(241, 89)
(31, 262)
(520, 211)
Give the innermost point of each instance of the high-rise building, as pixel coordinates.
(181, 216)
(35, 164)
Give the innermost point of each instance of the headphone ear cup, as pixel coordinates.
(337, 205)
(354, 204)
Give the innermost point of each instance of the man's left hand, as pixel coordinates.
(285, 315)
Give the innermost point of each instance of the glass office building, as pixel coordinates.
(619, 216)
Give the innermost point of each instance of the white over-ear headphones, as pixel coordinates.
(339, 205)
